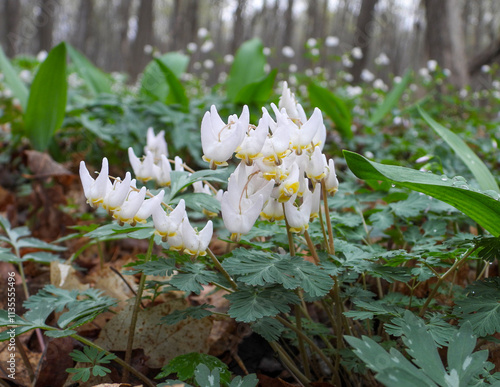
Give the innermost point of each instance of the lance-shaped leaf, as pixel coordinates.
(13, 81)
(480, 171)
(480, 207)
(333, 106)
(95, 79)
(390, 100)
(47, 99)
(177, 94)
(248, 66)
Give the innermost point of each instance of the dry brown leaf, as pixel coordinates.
(43, 166)
(108, 281)
(52, 371)
(64, 276)
(160, 342)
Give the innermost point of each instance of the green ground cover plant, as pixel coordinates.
(357, 234)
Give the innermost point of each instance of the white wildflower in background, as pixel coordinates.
(315, 52)
(353, 91)
(485, 68)
(266, 51)
(192, 47)
(228, 59)
(346, 61)
(446, 72)
(202, 33)
(288, 52)
(292, 68)
(148, 49)
(207, 46)
(380, 84)
(382, 59)
(208, 64)
(311, 42)
(332, 41)
(41, 56)
(357, 53)
(367, 75)
(432, 65)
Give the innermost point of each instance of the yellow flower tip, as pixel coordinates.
(176, 248)
(235, 237)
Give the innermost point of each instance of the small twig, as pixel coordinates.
(221, 269)
(114, 270)
(288, 362)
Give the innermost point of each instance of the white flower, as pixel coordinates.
(346, 61)
(432, 65)
(41, 56)
(116, 196)
(289, 103)
(367, 75)
(273, 210)
(156, 144)
(242, 202)
(251, 146)
(163, 172)
(485, 68)
(144, 170)
(168, 225)
(315, 201)
(208, 64)
(290, 185)
(288, 52)
(357, 53)
(192, 47)
(332, 41)
(302, 137)
(202, 33)
(95, 190)
(379, 84)
(218, 139)
(228, 59)
(316, 168)
(353, 91)
(196, 242)
(276, 146)
(127, 211)
(331, 182)
(148, 49)
(311, 42)
(382, 60)
(298, 217)
(148, 206)
(207, 46)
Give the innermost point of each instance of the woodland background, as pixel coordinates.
(123, 35)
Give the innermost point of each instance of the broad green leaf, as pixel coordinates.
(247, 381)
(194, 276)
(269, 328)
(12, 80)
(153, 83)
(258, 91)
(250, 304)
(461, 358)
(333, 106)
(96, 80)
(390, 100)
(480, 171)
(206, 377)
(248, 65)
(177, 94)
(47, 99)
(480, 207)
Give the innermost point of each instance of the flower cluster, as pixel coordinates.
(128, 204)
(282, 170)
(282, 174)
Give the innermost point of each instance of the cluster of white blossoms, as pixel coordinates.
(281, 175)
(282, 170)
(128, 204)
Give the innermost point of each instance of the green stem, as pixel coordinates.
(302, 348)
(221, 269)
(441, 279)
(291, 245)
(135, 312)
(288, 362)
(322, 223)
(312, 248)
(117, 360)
(331, 247)
(310, 342)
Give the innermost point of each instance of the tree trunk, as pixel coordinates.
(45, 24)
(289, 22)
(363, 36)
(445, 38)
(12, 18)
(144, 37)
(83, 27)
(238, 26)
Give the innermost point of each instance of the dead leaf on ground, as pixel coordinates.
(65, 276)
(110, 282)
(55, 361)
(266, 381)
(160, 342)
(43, 166)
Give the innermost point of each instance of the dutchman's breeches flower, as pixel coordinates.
(144, 170)
(331, 182)
(316, 168)
(251, 146)
(220, 140)
(196, 242)
(302, 136)
(298, 217)
(127, 211)
(117, 195)
(95, 190)
(156, 144)
(148, 206)
(168, 225)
